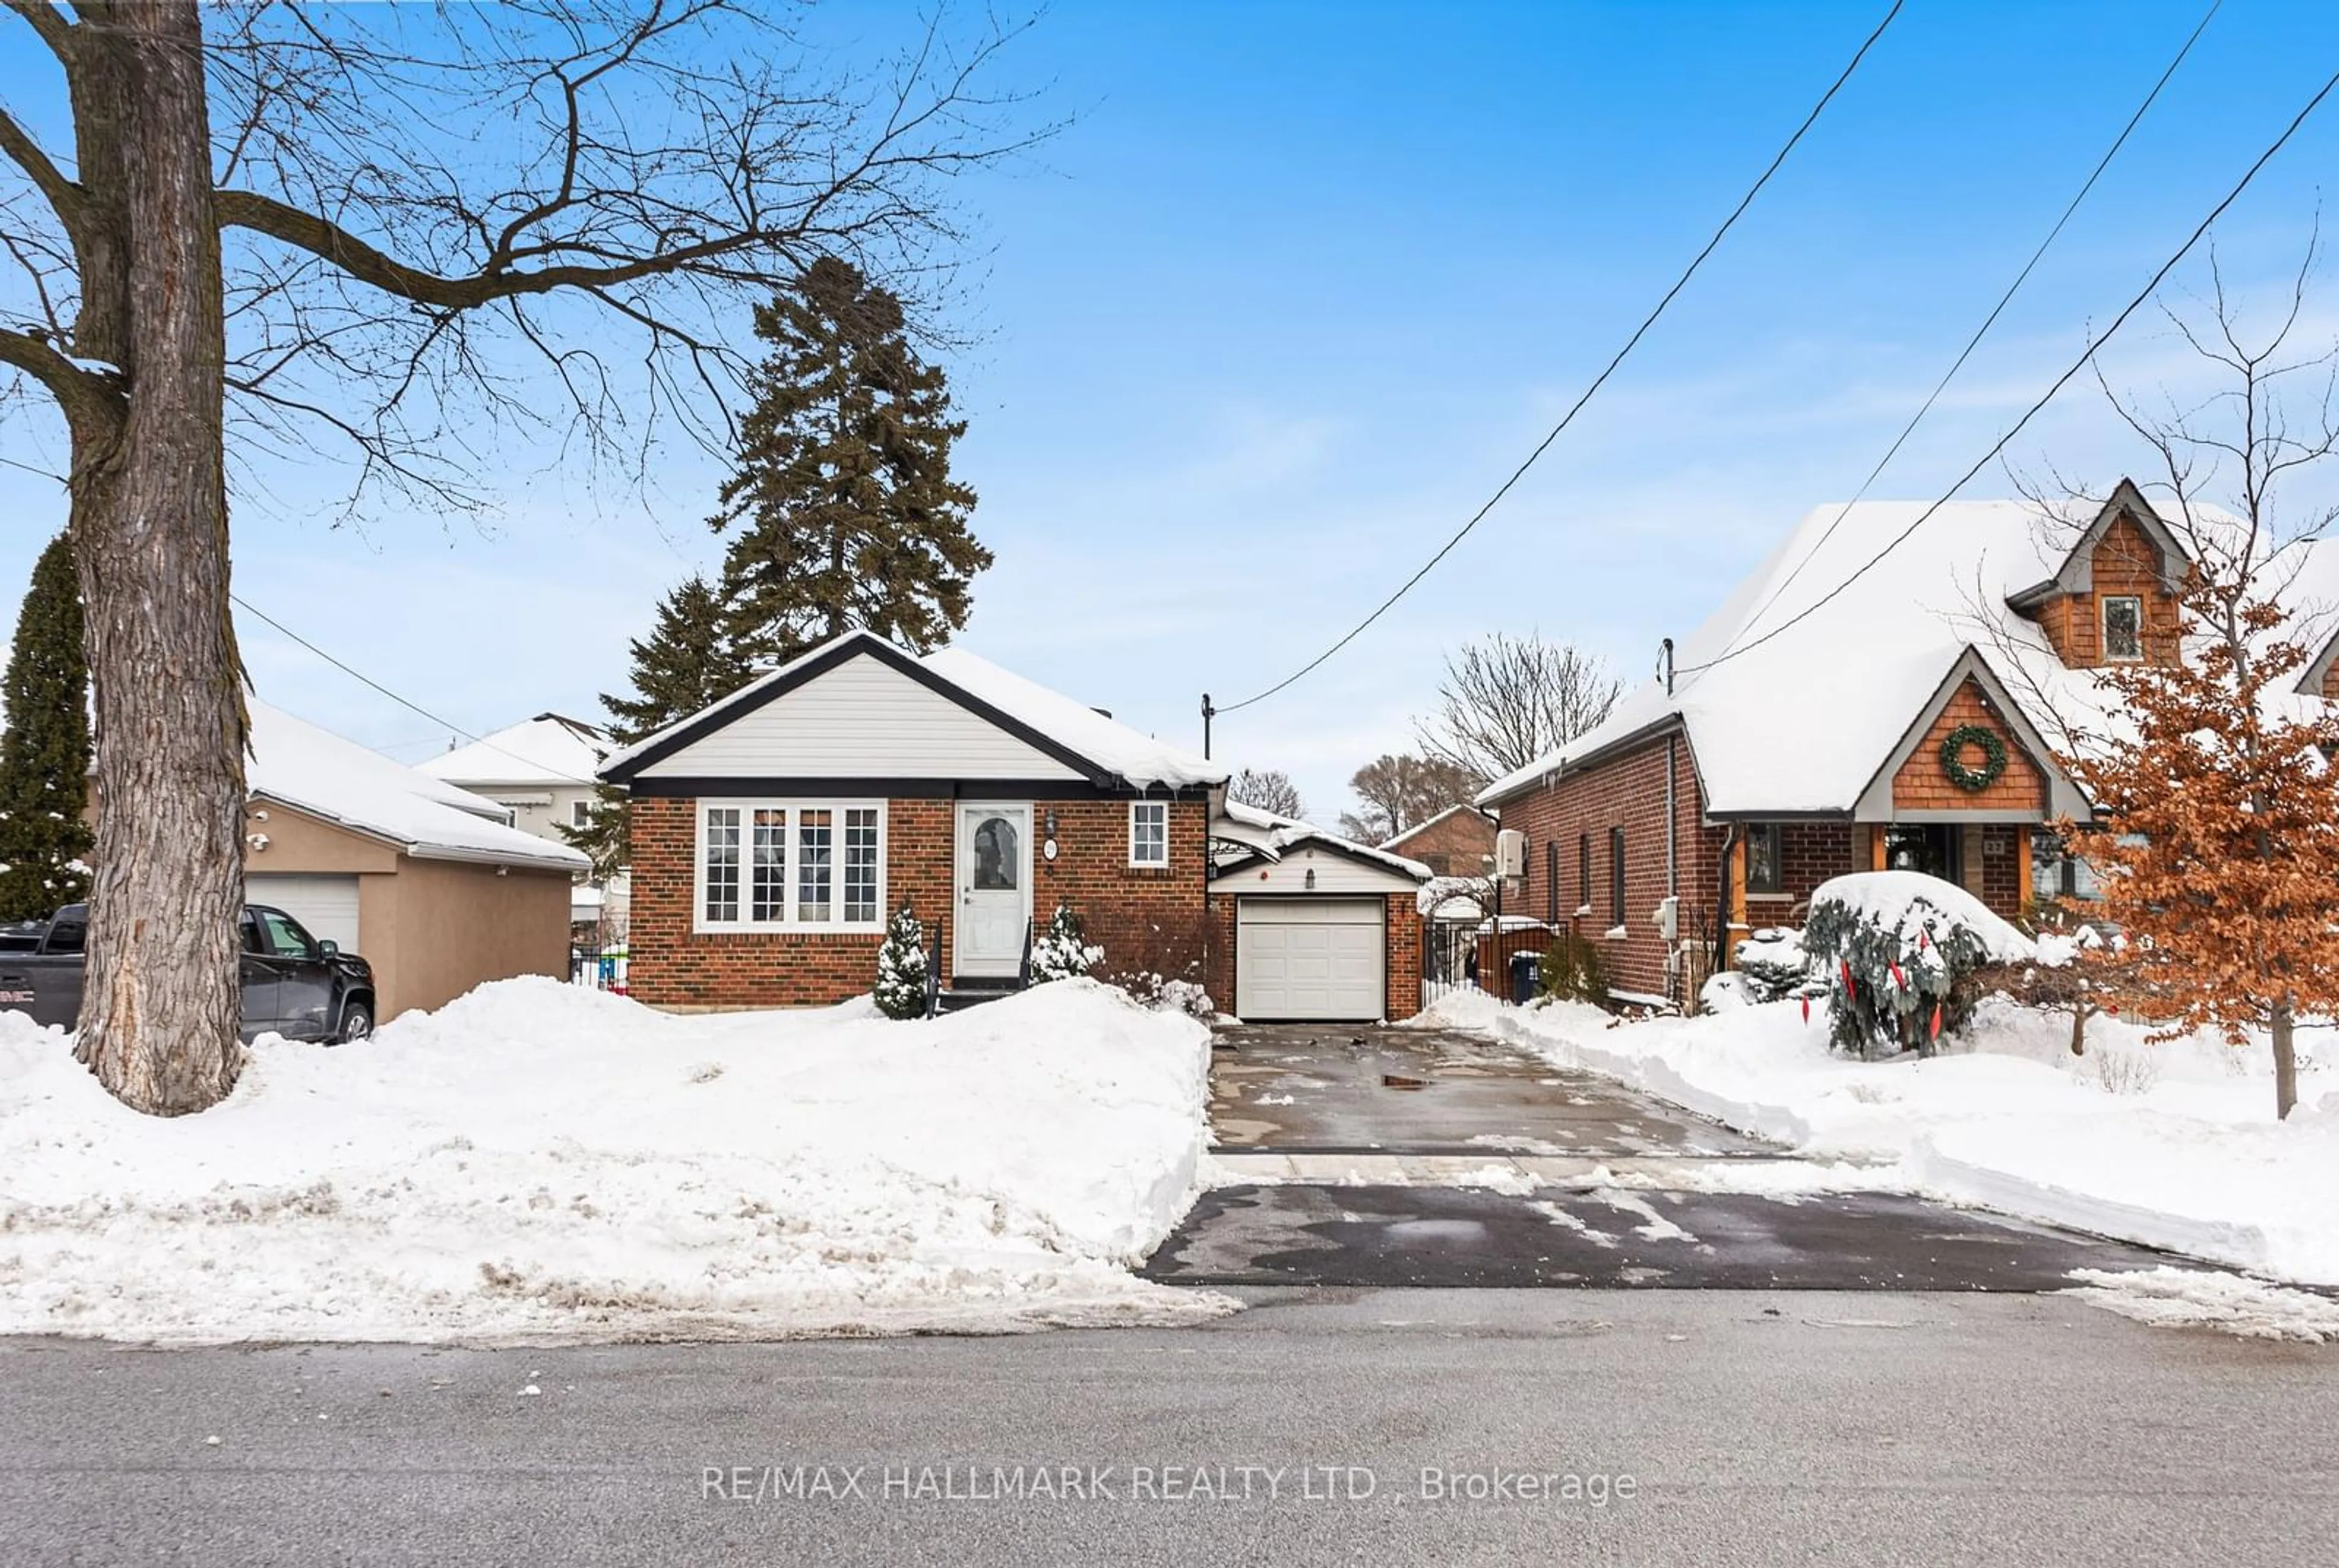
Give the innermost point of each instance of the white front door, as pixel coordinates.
(994, 888)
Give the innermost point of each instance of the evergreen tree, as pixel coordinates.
(1063, 950)
(900, 988)
(45, 838)
(685, 662)
(846, 510)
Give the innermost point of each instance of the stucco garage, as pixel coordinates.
(1312, 958)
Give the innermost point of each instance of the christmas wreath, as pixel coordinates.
(1972, 780)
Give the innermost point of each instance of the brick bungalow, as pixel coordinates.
(777, 831)
(1857, 704)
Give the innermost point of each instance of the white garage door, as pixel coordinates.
(1315, 958)
(327, 905)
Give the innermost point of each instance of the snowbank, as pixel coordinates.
(538, 1161)
(2173, 1145)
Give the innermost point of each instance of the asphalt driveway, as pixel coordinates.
(1346, 1089)
(1371, 1156)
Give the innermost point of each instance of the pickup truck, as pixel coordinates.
(293, 984)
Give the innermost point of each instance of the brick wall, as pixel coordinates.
(2001, 868)
(1403, 961)
(1456, 846)
(1627, 792)
(1144, 917)
(1809, 853)
(1921, 785)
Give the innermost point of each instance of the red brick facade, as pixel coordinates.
(1144, 918)
(1457, 844)
(1579, 814)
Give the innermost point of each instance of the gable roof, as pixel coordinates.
(1266, 836)
(1106, 753)
(311, 770)
(2076, 573)
(1795, 692)
(547, 752)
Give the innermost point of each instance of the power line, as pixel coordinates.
(362, 678)
(1597, 382)
(1735, 650)
(1991, 319)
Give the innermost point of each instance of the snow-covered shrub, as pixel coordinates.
(2131, 1072)
(1726, 992)
(1061, 952)
(1900, 949)
(1773, 962)
(1572, 969)
(1184, 996)
(900, 988)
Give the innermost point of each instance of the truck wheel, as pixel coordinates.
(357, 1023)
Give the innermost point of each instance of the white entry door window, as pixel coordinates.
(994, 887)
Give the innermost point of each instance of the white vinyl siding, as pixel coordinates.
(782, 865)
(863, 719)
(1335, 873)
(1318, 959)
(1148, 833)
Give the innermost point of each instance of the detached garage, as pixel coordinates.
(432, 884)
(1319, 928)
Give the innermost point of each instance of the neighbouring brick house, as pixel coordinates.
(1879, 694)
(775, 832)
(1458, 841)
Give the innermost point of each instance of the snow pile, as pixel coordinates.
(1897, 947)
(2186, 1298)
(539, 1160)
(2173, 1145)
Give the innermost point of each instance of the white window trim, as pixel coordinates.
(580, 813)
(1163, 807)
(2104, 627)
(789, 891)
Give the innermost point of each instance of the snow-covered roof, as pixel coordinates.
(1103, 747)
(1804, 712)
(548, 751)
(1270, 835)
(298, 764)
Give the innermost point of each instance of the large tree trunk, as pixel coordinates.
(2285, 1059)
(160, 1014)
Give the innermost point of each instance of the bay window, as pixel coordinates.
(781, 865)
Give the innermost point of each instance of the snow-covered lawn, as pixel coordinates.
(538, 1161)
(2174, 1145)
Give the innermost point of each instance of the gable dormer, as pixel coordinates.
(2114, 598)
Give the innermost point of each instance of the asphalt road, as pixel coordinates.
(1443, 1235)
(1756, 1427)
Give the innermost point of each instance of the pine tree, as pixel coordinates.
(846, 512)
(900, 988)
(44, 836)
(2223, 864)
(685, 662)
(1063, 950)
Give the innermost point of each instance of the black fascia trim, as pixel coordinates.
(721, 718)
(903, 789)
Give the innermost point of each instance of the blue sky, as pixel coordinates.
(1302, 282)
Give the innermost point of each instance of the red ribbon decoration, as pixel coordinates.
(1807, 1010)
(1937, 1021)
(1898, 978)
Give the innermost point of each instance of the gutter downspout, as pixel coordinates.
(1672, 856)
(1722, 899)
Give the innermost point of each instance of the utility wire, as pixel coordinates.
(2048, 397)
(1991, 319)
(362, 678)
(1597, 382)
